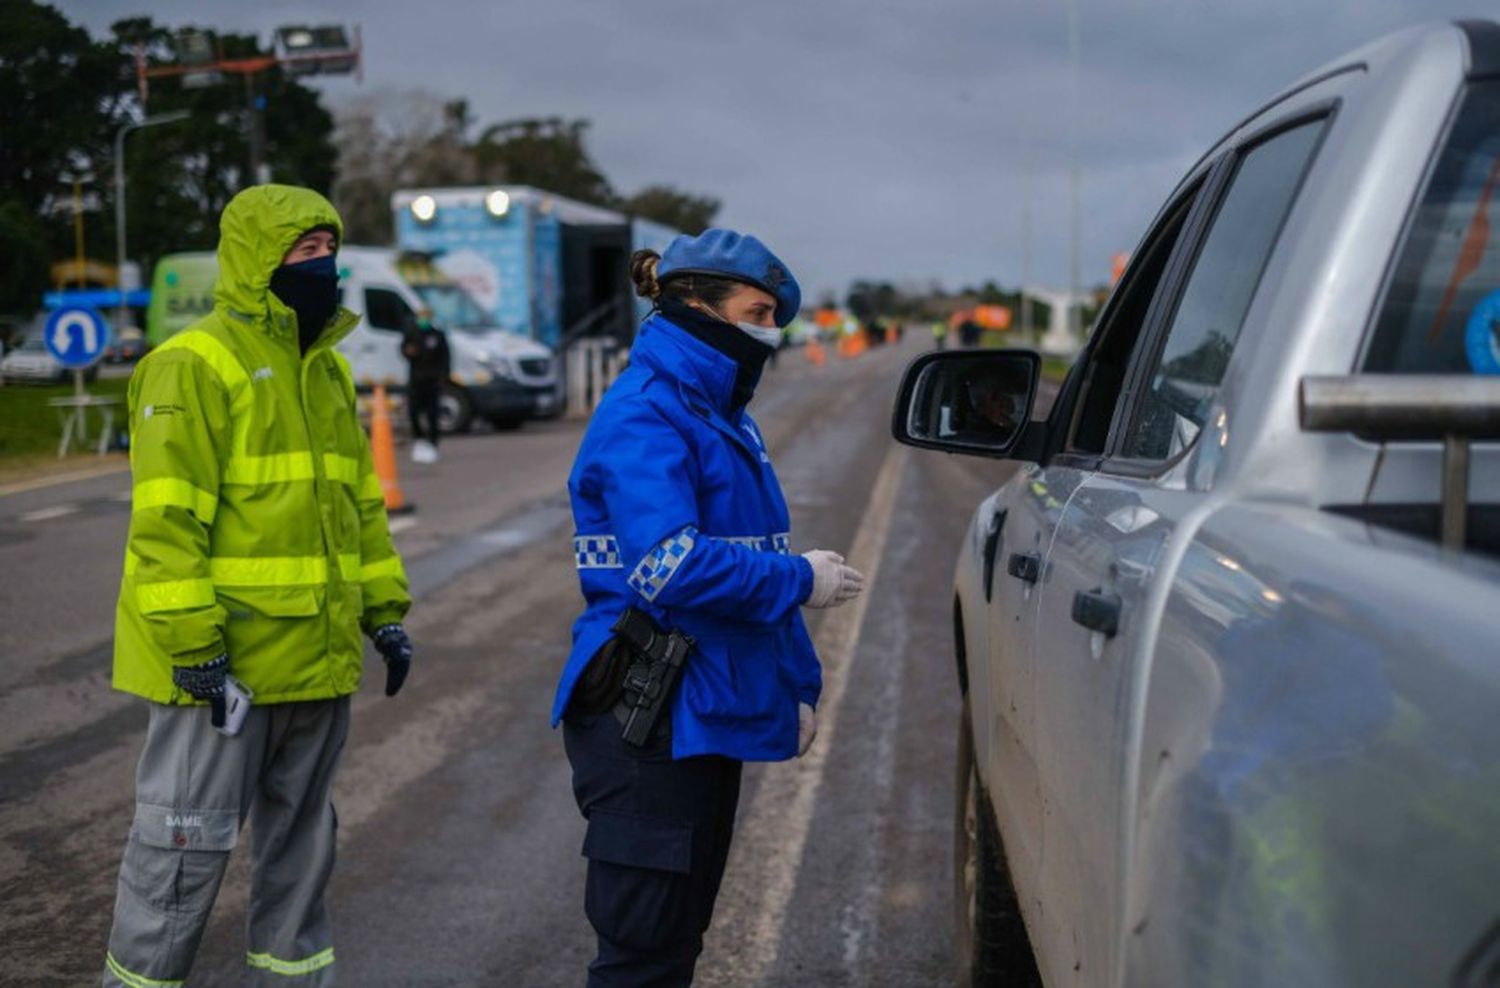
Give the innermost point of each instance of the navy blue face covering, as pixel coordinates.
(310, 289)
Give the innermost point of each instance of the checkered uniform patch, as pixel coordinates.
(596, 552)
(655, 571)
(780, 542)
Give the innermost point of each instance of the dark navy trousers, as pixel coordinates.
(657, 840)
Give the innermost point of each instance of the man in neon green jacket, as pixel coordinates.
(259, 550)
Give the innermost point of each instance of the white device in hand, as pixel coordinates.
(237, 697)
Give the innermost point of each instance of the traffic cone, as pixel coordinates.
(815, 353)
(383, 449)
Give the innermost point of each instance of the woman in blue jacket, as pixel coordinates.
(679, 515)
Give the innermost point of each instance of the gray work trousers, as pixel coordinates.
(194, 790)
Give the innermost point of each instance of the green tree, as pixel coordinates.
(181, 176)
(60, 95)
(672, 207)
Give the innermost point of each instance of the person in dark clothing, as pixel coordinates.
(425, 348)
(970, 332)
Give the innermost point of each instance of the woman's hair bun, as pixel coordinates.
(643, 273)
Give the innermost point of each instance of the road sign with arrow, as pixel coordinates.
(76, 337)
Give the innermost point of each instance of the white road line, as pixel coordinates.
(43, 514)
(402, 524)
(21, 487)
(773, 834)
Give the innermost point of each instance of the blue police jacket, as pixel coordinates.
(678, 513)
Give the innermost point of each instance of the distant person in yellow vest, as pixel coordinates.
(940, 333)
(258, 553)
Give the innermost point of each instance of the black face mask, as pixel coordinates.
(749, 356)
(311, 290)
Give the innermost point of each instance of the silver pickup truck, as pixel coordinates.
(1229, 637)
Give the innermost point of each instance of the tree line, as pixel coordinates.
(64, 95)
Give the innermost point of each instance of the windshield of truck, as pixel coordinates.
(453, 308)
(1442, 309)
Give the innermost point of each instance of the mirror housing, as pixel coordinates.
(973, 402)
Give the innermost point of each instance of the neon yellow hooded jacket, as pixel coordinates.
(257, 527)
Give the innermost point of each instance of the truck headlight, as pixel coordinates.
(501, 367)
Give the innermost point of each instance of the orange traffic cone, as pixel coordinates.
(816, 355)
(383, 449)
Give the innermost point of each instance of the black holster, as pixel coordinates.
(657, 658)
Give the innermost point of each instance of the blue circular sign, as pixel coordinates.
(76, 336)
(1482, 335)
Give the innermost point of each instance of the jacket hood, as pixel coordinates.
(256, 230)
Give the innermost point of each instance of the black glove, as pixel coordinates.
(395, 648)
(205, 682)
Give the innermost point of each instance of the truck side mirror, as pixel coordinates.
(976, 402)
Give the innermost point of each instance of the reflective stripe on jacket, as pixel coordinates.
(258, 526)
(678, 512)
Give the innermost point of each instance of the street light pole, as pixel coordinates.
(1075, 322)
(160, 118)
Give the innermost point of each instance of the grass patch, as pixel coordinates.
(1055, 368)
(29, 429)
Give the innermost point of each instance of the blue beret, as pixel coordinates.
(738, 256)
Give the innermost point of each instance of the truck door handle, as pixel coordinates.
(1097, 611)
(1024, 566)
(991, 547)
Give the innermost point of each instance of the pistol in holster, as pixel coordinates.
(657, 657)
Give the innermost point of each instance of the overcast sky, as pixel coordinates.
(859, 138)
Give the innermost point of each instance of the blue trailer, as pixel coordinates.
(540, 264)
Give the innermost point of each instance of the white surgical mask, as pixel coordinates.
(765, 335)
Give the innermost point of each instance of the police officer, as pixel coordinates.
(679, 515)
(258, 550)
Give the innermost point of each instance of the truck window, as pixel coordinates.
(1181, 386)
(1441, 313)
(1126, 316)
(384, 309)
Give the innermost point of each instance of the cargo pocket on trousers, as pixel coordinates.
(176, 857)
(639, 893)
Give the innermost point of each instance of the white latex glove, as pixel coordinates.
(807, 728)
(833, 582)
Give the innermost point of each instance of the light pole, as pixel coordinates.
(151, 121)
(1075, 322)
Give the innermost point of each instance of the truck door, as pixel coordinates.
(1024, 518)
(1093, 626)
(387, 315)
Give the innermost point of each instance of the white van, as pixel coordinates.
(499, 376)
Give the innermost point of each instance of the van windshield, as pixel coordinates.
(453, 308)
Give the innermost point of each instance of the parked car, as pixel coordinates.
(126, 348)
(30, 363)
(1227, 638)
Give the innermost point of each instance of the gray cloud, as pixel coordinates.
(879, 138)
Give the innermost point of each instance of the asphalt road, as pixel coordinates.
(459, 840)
